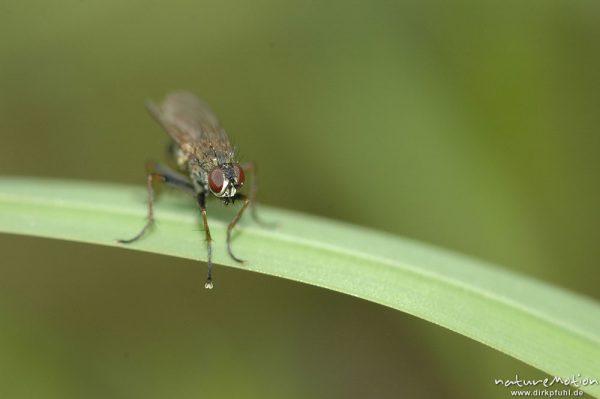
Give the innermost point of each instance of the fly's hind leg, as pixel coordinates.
(158, 174)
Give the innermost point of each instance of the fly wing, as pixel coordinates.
(189, 121)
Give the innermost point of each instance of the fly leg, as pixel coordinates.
(158, 174)
(201, 199)
(251, 168)
(234, 222)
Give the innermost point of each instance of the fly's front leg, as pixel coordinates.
(251, 168)
(234, 222)
(201, 199)
(158, 174)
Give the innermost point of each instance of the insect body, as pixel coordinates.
(202, 150)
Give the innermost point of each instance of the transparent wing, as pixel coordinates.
(188, 120)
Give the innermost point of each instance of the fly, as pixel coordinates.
(201, 149)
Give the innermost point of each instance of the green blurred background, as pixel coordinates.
(471, 126)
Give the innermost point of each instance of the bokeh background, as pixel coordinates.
(470, 125)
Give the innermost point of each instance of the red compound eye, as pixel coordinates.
(239, 174)
(216, 180)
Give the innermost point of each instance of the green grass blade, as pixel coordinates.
(544, 326)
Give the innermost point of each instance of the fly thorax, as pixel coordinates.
(199, 177)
